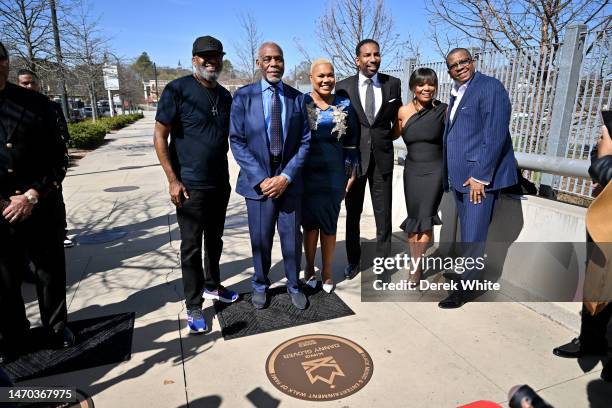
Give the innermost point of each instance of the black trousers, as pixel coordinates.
(39, 238)
(203, 214)
(381, 194)
(594, 328)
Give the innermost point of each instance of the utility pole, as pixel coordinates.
(60, 60)
(156, 86)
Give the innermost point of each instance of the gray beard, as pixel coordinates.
(273, 80)
(206, 75)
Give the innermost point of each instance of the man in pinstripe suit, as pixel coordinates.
(478, 156)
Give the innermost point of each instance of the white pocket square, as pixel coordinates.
(391, 100)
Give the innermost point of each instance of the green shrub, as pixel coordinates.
(86, 135)
(89, 135)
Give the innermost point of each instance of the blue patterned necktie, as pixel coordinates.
(276, 124)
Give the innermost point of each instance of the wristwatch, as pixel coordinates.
(31, 199)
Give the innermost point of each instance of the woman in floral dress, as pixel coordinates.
(331, 167)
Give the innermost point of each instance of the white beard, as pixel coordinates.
(205, 74)
(274, 80)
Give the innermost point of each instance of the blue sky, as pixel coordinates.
(166, 29)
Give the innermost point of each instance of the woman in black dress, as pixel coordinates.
(421, 125)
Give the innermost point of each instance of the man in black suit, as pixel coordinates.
(29, 80)
(376, 98)
(33, 160)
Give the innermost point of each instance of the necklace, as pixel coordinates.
(213, 102)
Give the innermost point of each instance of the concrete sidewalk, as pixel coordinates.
(423, 356)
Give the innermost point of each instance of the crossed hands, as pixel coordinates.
(274, 187)
(18, 209)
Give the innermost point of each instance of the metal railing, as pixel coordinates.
(557, 92)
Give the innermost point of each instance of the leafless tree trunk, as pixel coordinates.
(346, 22)
(59, 59)
(247, 47)
(87, 48)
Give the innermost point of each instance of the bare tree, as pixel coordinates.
(246, 49)
(87, 49)
(131, 92)
(25, 27)
(302, 50)
(512, 23)
(346, 22)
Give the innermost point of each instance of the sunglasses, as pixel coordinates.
(210, 55)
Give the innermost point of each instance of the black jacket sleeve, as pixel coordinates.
(61, 122)
(601, 169)
(55, 157)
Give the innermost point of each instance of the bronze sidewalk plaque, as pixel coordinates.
(319, 367)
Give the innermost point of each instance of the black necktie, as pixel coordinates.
(276, 124)
(369, 101)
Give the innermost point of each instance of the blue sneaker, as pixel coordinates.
(195, 321)
(222, 294)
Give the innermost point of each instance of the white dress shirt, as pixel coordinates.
(457, 91)
(377, 92)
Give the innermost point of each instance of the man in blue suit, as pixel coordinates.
(270, 138)
(478, 156)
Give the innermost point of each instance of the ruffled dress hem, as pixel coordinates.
(414, 225)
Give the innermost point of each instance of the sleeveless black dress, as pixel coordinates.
(423, 170)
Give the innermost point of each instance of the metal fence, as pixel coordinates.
(557, 92)
(593, 94)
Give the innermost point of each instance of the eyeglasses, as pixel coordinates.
(460, 64)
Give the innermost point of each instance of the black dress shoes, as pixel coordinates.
(258, 299)
(63, 338)
(299, 300)
(455, 300)
(351, 271)
(574, 349)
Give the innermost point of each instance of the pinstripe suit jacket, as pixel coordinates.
(477, 142)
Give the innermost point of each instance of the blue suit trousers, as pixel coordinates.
(264, 215)
(474, 220)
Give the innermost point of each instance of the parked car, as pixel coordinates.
(89, 111)
(76, 115)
